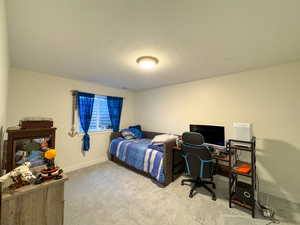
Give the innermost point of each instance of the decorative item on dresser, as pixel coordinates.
(16, 134)
(17, 178)
(24, 142)
(51, 171)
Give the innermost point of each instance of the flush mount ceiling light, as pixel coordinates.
(147, 62)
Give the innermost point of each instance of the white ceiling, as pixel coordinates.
(99, 41)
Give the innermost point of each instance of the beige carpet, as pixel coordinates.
(109, 194)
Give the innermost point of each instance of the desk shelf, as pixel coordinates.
(243, 148)
(237, 202)
(242, 193)
(242, 174)
(237, 165)
(224, 158)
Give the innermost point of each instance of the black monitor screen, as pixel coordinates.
(212, 134)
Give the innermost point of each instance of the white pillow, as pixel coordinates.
(163, 138)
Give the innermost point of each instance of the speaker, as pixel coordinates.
(242, 131)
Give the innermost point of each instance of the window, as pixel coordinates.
(100, 118)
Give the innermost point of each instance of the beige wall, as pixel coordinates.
(267, 98)
(36, 94)
(3, 66)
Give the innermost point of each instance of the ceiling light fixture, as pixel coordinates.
(147, 62)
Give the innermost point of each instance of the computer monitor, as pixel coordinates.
(212, 134)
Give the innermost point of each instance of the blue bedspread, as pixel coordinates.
(135, 152)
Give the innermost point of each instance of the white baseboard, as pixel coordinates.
(82, 165)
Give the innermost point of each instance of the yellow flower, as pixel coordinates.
(50, 154)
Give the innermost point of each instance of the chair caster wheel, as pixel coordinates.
(214, 198)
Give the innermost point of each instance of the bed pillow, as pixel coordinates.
(137, 131)
(127, 134)
(163, 138)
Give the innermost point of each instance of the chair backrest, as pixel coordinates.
(197, 156)
(192, 138)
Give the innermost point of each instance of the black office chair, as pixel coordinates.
(199, 163)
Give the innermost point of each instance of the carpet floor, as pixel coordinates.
(110, 194)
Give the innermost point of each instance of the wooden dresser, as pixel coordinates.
(41, 204)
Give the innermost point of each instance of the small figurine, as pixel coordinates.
(51, 171)
(18, 177)
(44, 144)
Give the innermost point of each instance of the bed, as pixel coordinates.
(136, 155)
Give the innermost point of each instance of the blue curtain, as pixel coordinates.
(85, 103)
(115, 108)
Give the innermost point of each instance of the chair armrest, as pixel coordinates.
(168, 161)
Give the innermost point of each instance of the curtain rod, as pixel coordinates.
(74, 92)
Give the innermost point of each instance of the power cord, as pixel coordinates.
(266, 211)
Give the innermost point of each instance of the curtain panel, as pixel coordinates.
(115, 109)
(85, 103)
